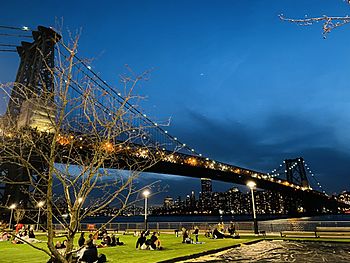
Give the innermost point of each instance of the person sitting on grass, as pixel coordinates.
(31, 233)
(185, 235)
(90, 254)
(154, 242)
(5, 236)
(219, 234)
(81, 240)
(17, 240)
(102, 233)
(119, 243)
(141, 241)
(115, 241)
(106, 241)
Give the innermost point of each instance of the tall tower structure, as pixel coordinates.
(35, 73)
(295, 172)
(30, 105)
(206, 194)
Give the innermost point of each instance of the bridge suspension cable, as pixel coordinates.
(96, 79)
(23, 28)
(281, 171)
(318, 184)
(84, 68)
(6, 32)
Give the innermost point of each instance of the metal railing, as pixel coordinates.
(267, 226)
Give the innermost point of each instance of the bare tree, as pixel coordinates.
(65, 142)
(328, 22)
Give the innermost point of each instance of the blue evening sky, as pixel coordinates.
(239, 85)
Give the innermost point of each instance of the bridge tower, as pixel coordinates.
(34, 84)
(295, 172)
(34, 75)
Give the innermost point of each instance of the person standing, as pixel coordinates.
(196, 233)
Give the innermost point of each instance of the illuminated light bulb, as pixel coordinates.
(166, 131)
(89, 67)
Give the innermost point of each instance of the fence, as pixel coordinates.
(267, 226)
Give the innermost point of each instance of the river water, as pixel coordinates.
(202, 218)
(283, 251)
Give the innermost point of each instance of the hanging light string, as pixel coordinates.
(277, 171)
(314, 178)
(112, 92)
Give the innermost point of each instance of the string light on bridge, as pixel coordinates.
(314, 178)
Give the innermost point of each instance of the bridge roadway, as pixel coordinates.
(165, 162)
(177, 163)
(200, 167)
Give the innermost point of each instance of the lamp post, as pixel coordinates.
(221, 212)
(13, 206)
(40, 205)
(146, 193)
(252, 185)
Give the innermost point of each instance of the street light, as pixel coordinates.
(13, 206)
(221, 212)
(40, 205)
(146, 193)
(252, 185)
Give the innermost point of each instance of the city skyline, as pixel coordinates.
(221, 54)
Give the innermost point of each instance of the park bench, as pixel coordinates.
(289, 233)
(333, 232)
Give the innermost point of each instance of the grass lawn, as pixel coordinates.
(172, 248)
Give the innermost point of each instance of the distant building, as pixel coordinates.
(206, 194)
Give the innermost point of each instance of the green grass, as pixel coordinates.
(172, 245)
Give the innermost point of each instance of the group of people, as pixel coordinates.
(89, 253)
(151, 243)
(217, 232)
(220, 231)
(24, 233)
(187, 236)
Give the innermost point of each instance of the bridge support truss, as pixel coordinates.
(34, 82)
